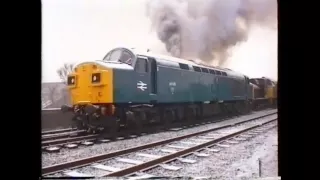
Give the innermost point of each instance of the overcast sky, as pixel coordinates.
(79, 30)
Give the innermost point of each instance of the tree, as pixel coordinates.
(65, 95)
(64, 71)
(52, 90)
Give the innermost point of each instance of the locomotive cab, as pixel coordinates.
(112, 77)
(138, 83)
(99, 87)
(260, 92)
(266, 90)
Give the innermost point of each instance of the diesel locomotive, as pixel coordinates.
(129, 89)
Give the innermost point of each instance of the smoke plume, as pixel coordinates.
(207, 29)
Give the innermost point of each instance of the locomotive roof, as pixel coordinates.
(274, 81)
(254, 86)
(189, 62)
(173, 61)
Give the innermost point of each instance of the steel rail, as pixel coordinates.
(155, 162)
(57, 131)
(86, 161)
(68, 140)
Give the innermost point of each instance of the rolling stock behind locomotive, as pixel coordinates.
(129, 89)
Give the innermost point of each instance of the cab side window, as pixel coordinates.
(269, 83)
(141, 65)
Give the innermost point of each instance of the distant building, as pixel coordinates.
(54, 95)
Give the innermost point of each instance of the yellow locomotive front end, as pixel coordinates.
(91, 84)
(91, 90)
(266, 93)
(271, 92)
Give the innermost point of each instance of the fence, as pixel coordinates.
(53, 118)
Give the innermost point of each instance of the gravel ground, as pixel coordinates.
(239, 161)
(66, 155)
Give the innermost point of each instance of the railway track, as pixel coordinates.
(54, 143)
(134, 162)
(57, 131)
(62, 135)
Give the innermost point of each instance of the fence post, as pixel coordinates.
(259, 167)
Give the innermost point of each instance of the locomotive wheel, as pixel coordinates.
(168, 118)
(113, 128)
(138, 123)
(198, 113)
(242, 108)
(245, 108)
(225, 111)
(221, 110)
(238, 109)
(234, 110)
(190, 115)
(135, 123)
(249, 107)
(78, 122)
(127, 118)
(177, 116)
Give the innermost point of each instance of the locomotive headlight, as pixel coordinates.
(96, 78)
(71, 80)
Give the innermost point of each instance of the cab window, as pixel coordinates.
(141, 65)
(119, 55)
(126, 58)
(269, 83)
